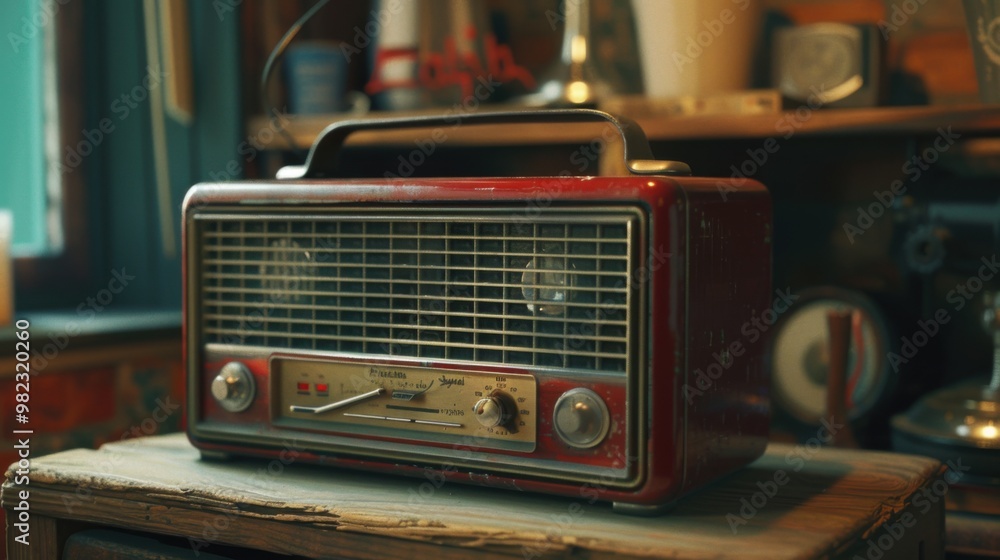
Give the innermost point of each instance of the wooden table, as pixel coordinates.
(823, 503)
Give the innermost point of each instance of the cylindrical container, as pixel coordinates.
(316, 74)
(696, 47)
(394, 60)
(983, 20)
(453, 52)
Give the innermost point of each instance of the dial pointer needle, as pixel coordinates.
(338, 404)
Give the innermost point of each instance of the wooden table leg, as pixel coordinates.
(43, 539)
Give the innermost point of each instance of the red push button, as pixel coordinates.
(322, 388)
(303, 387)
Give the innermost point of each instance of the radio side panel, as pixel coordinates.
(726, 392)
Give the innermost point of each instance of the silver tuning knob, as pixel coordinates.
(581, 418)
(233, 388)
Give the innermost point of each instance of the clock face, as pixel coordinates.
(823, 60)
(800, 358)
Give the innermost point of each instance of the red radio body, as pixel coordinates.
(578, 336)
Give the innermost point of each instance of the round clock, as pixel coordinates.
(800, 353)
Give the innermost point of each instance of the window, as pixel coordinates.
(28, 108)
(84, 208)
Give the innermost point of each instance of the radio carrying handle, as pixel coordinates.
(323, 161)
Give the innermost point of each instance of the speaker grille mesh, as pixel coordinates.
(550, 291)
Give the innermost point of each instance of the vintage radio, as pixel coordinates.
(582, 336)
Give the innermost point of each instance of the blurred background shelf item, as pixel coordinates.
(654, 119)
(736, 103)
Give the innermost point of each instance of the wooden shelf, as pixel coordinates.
(830, 122)
(836, 506)
(823, 122)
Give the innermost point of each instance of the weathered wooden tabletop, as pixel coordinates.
(795, 502)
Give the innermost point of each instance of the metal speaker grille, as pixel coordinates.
(553, 291)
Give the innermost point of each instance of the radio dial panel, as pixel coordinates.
(488, 410)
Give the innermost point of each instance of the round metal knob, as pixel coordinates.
(489, 412)
(581, 418)
(233, 388)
